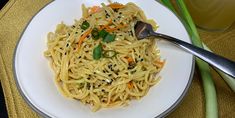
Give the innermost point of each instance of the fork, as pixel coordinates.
(144, 30)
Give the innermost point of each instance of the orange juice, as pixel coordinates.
(212, 14)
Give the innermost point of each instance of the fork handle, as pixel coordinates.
(213, 59)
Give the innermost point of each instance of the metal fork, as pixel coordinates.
(143, 30)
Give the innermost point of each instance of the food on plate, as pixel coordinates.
(99, 61)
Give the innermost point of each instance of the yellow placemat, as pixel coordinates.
(14, 18)
(12, 23)
(193, 105)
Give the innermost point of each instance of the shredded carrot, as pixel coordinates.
(106, 26)
(109, 21)
(83, 37)
(94, 9)
(116, 28)
(130, 59)
(159, 63)
(116, 5)
(108, 29)
(130, 85)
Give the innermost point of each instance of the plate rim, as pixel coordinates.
(43, 114)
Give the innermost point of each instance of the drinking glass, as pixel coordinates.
(214, 15)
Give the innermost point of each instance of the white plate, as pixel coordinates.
(34, 76)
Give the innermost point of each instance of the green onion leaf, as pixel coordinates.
(85, 25)
(109, 38)
(109, 53)
(97, 52)
(95, 34)
(103, 33)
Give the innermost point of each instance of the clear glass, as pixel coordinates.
(212, 14)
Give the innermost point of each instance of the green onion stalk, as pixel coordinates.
(208, 85)
(228, 79)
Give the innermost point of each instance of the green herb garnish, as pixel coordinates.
(85, 25)
(109, 53)
(95, 34)
(103, 33)
(109, 38)
(97, 52)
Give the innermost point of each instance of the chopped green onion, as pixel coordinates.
(109, 38)
(85, 25)
(95, 34)
(103, 33)
(109, 53)
(97, 52)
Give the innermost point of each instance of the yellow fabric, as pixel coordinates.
(17, 13)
